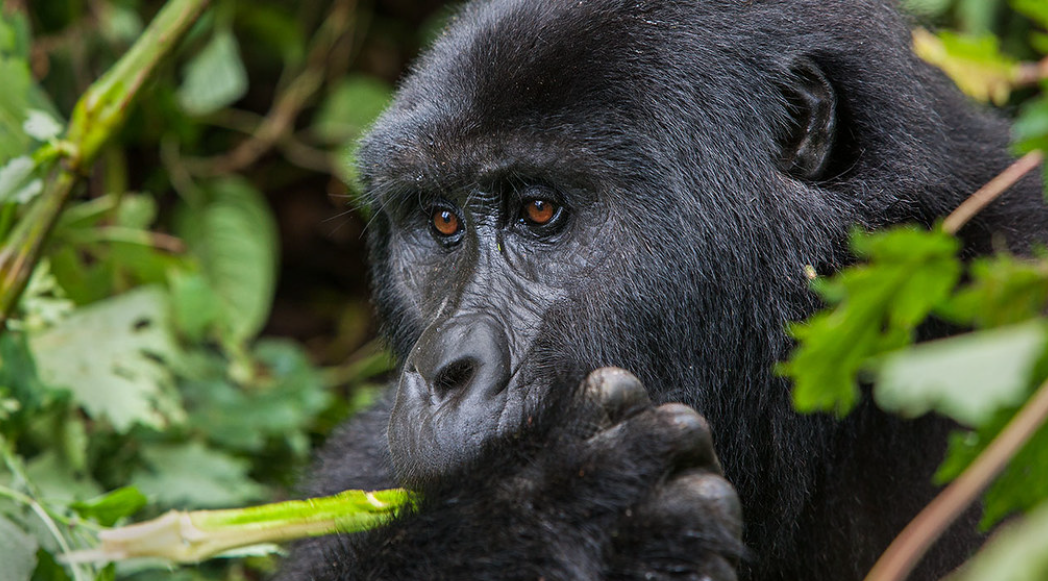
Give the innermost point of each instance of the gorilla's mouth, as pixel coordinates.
(431, 433)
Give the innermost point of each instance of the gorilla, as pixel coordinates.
(626, 195)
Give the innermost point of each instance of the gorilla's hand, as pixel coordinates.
(615, 489)
(678, 517)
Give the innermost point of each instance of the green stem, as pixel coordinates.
(97, 117)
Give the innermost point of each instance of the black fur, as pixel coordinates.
(708, 151)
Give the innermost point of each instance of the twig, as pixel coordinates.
(908, 548)
(280, 120)
(991, 191)
(1028, 74)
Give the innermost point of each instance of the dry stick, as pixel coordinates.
(908, 548)
(991, 191)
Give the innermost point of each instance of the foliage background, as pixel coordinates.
(199, 321)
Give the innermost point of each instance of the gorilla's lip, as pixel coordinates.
(508, 388)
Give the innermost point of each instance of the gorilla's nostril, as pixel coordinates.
(454, 376)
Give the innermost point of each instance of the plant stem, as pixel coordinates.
(98, 115)
(908, 548)
(991, 191)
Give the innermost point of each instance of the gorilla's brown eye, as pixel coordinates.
(539, 212)
(445, 222)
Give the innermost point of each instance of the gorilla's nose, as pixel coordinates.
(464, 355)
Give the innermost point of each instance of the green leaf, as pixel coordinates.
(1031, 126)
(969, 378)
(57, 481)
(280, 409)
(215, 77)
(878, 306)
(927, 8)
(195, 305)
(1004, 290)
(1037, 10)
(48, 569)
(1021, 485)
(107, 509)
(136, 211)
(110, 356)
(975, 63)
(17, 552)
(235, 237)
(351, 107)
(1017, 552)
(193, 476)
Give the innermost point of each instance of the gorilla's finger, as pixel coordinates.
(698, 496)
(618, 392)
(669, 436)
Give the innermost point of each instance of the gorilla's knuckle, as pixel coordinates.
(618, 392)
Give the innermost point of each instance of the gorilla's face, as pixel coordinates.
(480, 263)
(547, 202)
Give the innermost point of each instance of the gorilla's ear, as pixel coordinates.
(807, 141)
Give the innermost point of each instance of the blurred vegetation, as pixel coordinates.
(198, 321)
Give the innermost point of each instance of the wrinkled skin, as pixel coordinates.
(568, 186)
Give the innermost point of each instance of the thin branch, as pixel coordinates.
(289, 103)
(1029, 74)
(991, 191)
(908, 548)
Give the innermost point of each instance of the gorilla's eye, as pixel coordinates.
(446, 223)
(539, 212)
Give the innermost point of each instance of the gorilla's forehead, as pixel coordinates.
(511, 86)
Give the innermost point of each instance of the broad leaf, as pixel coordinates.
(215, 77)
(968, 378)
(351, 107)
(1019, 552)
(110, 356)
(235, 237)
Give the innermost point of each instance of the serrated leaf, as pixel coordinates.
(969, 378)
(878, 307)
(107, 509)
(1018, 552)
(17, 552)
(110, 356)
(56, 480)
(215, 77)
(194, 476)
(235, 237)
(41, 126)
(1004, 290)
